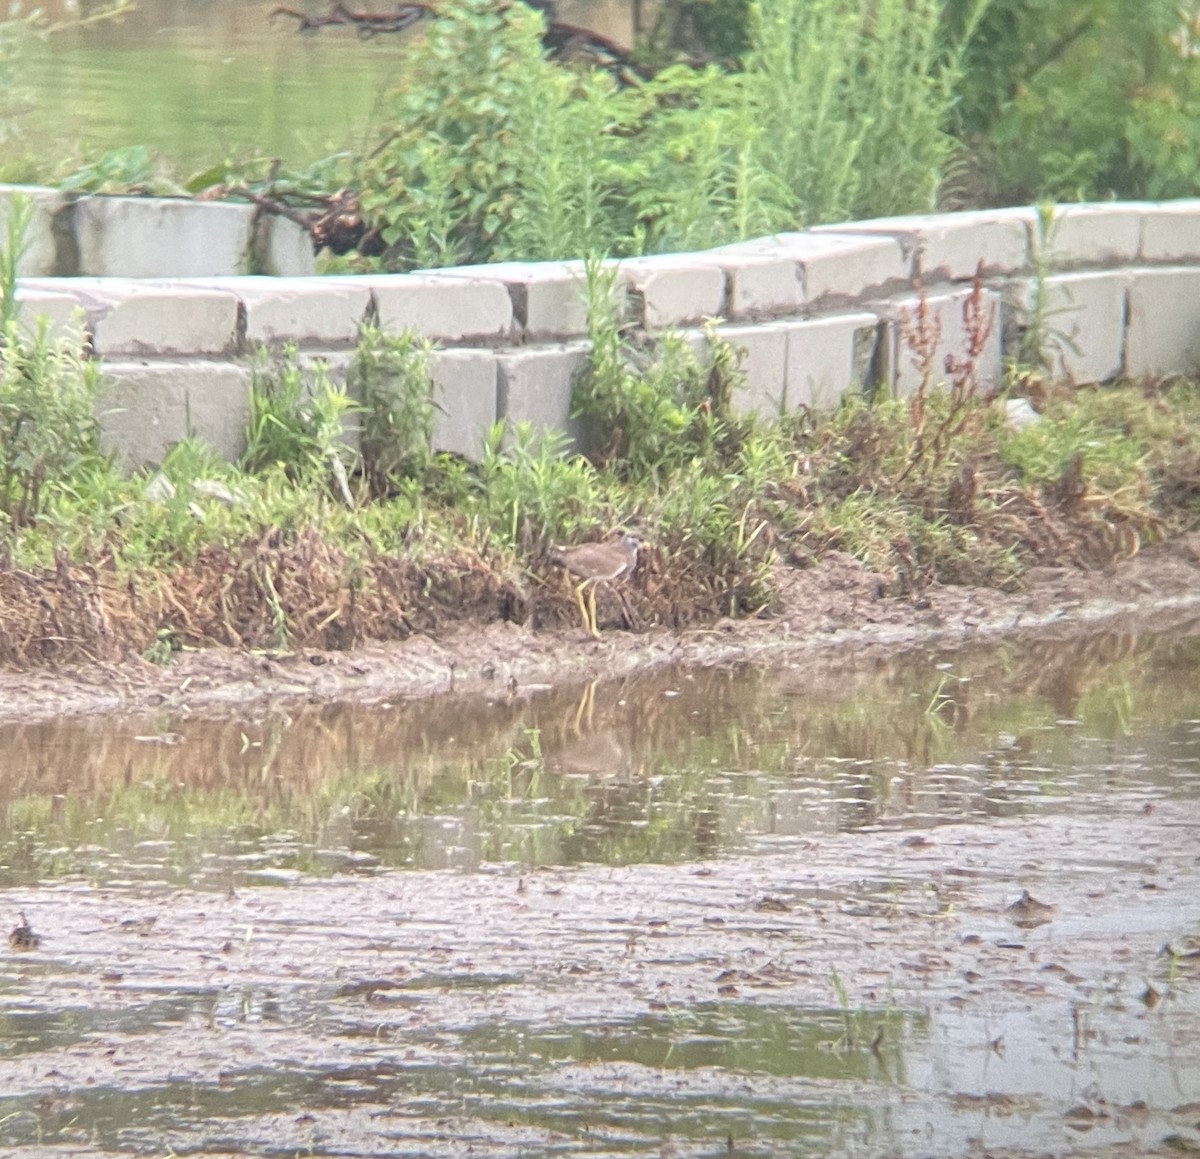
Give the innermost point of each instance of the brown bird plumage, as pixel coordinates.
(612, 559)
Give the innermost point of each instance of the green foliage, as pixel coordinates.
(649, 411)
(48, 432)
(819, 110)
(297, 419)
(493, 151)
(1096, 98)
(391, 377)
(835, 110)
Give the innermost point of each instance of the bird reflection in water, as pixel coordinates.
(590, 751)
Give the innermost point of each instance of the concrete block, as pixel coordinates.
(836, 268)
(1164, 322)
(443, 308)
(674, 289)
(947, 334)
(466, 388)
(133, 317)
(1083, 323)
(147, 407)
(63, 315)
(549, 299)
(829, 357)
(1094, 235)
(950, 246)
(335, 364)
(305, 312)
(1171, 231)
(762, 285)
(282, 248)
(155, 237)
(764, 363)
(535, 385)
(40, 256)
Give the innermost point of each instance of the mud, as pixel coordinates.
(867, 913)
(858, 994)
(834, 607)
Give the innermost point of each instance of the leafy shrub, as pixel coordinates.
(1096, 98)
(48, 431)
(494, 151)
(390, 374)
(297, 419)
(443, 184)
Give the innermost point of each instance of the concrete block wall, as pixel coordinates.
(816, 313)
(147, 237)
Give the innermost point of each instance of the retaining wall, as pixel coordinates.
(817, 313)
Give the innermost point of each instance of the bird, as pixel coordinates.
(610, 560)
(23, 937)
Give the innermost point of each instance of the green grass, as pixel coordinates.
(340, 523)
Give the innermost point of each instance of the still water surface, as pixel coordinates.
(203, 81)
(692, 766)
(199, 81)
(721, 912)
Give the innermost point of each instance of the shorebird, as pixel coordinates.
(23, 937)
(612, 559)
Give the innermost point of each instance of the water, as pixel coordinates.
(717, 912)
(199, 81)
(202, 81)
(685, 767)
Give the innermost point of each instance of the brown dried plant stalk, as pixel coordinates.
(922, 333)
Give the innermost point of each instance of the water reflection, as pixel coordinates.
(687, 766)
(754, 1079)
(226, 81)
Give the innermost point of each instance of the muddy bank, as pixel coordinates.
(832, 611)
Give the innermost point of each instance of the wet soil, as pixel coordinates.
(965, 990)
(835, 607)
(989, 946)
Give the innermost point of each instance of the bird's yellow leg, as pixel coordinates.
(584, 711)
(592, 609)
(583, 613)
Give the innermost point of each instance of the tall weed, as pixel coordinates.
(533, 491)
(49, 437)
(855, 101)
(390, 374)
(297, 421)
(565, 133)
(651, 409)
